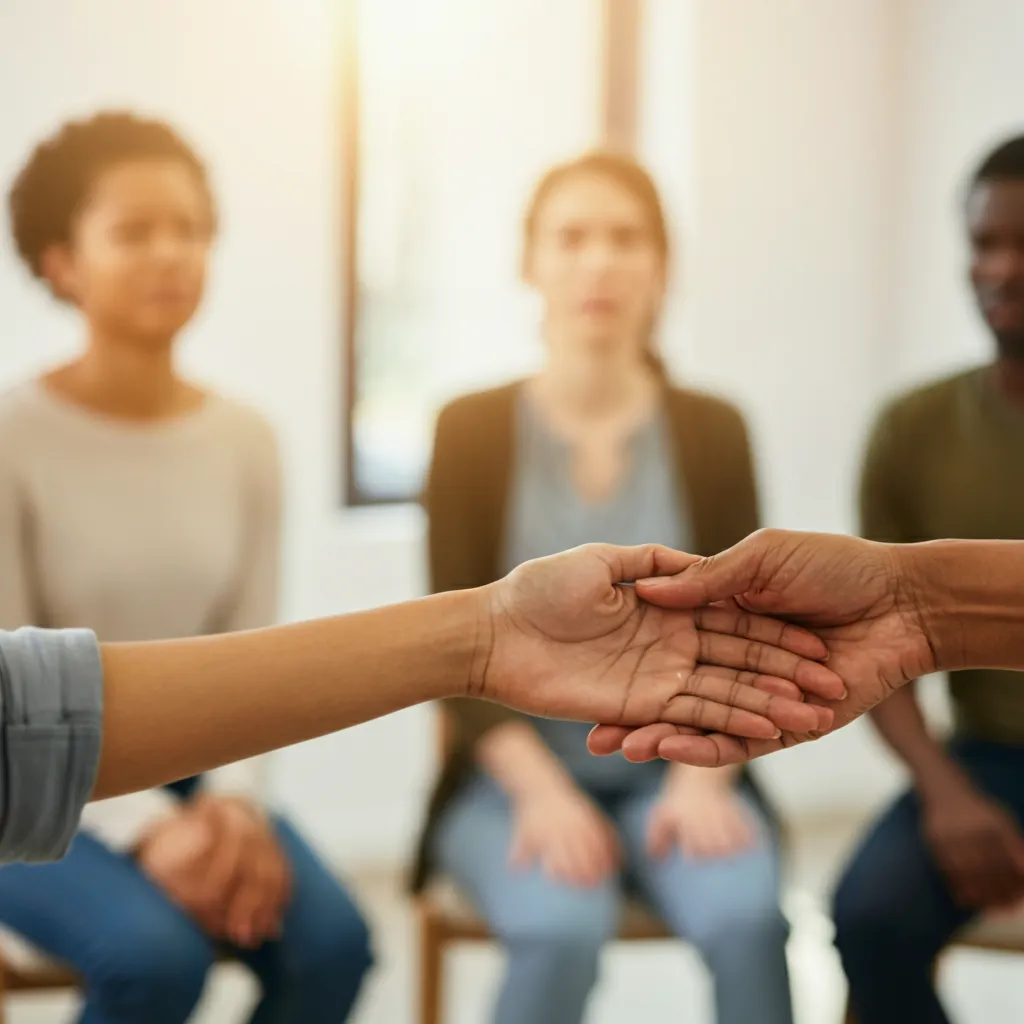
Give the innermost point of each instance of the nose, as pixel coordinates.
(1005, 265)
(599, 255)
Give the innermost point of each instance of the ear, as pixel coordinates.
(58, 271)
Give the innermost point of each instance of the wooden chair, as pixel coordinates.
(23, 969)
(32, 974)
(997, 935)
(446, 917)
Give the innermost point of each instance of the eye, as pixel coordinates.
(133, 232)
(627, 237)
(571, 237)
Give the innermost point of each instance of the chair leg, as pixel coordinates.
(431, 970)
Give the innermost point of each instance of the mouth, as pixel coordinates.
(1003, 312)
(167, 296)
(600, 307)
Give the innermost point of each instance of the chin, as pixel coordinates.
(1011, 344)
(158, 333)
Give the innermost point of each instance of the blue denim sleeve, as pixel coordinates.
(51, 722)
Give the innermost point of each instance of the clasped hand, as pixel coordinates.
(219, 860)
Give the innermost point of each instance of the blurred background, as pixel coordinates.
(371, 165)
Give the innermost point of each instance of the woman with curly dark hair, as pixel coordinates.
(147, 507)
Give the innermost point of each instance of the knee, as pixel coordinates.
(740, 932)
(577, 928)
(159, 977)
(865, 926)
(332, 940)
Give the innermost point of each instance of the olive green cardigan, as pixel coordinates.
(466, 499)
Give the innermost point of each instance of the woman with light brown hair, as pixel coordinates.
(599, 446)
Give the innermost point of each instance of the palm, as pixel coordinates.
(572, 644)
(844, 589)
(848, 594)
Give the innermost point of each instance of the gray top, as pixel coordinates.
(51, 723)
(547, 515)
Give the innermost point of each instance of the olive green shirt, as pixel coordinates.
(947, 460)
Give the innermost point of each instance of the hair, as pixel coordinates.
(1004, 163)
(628, 174)
(53, 186)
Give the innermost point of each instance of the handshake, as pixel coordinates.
(779, 640)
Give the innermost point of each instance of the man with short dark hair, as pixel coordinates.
(947, 460)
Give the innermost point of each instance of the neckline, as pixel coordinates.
(84, 418)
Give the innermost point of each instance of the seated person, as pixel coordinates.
(149, 508)
(945, 461)
(599, 446)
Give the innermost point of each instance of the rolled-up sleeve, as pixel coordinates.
(51, 721)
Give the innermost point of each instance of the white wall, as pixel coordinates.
(820, 267)
(253, 83)
(965, 81)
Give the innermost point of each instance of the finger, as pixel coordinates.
(660, 836)
(707, 580)
(770, 684)
(739, 836)
(587, 856)
(520, 854)
(715, 750)
(755, 656)
(641, 744)
(729, 617)
(244, 912)
(224, 865)
(256, 915)
(643, 561)
(720, 705)
(604, 740)
(566, 865)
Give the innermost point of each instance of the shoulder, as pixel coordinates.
(925, 407)
(244, 422)
(481, 422)
(24, 421)
(709, 412)
(479, 408)
(21, 406)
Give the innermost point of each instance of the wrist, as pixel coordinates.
(941, 785)
(966, 595)
(476, 639)
(683, 777)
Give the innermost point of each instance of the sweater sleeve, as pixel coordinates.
(51, 721)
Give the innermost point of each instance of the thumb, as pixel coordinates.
(716, 578)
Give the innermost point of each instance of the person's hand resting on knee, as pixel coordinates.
(700, 813)
(219, 860)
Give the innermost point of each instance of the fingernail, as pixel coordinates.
(655, 581)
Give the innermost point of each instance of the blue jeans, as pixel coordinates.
(553, 933)
(145, 962)
(893, 910)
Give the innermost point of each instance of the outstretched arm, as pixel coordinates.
(557, 637)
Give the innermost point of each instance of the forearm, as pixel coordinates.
(901, 724)
(520, 762)
(177, 708)
(691, 775)
(969, 596)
